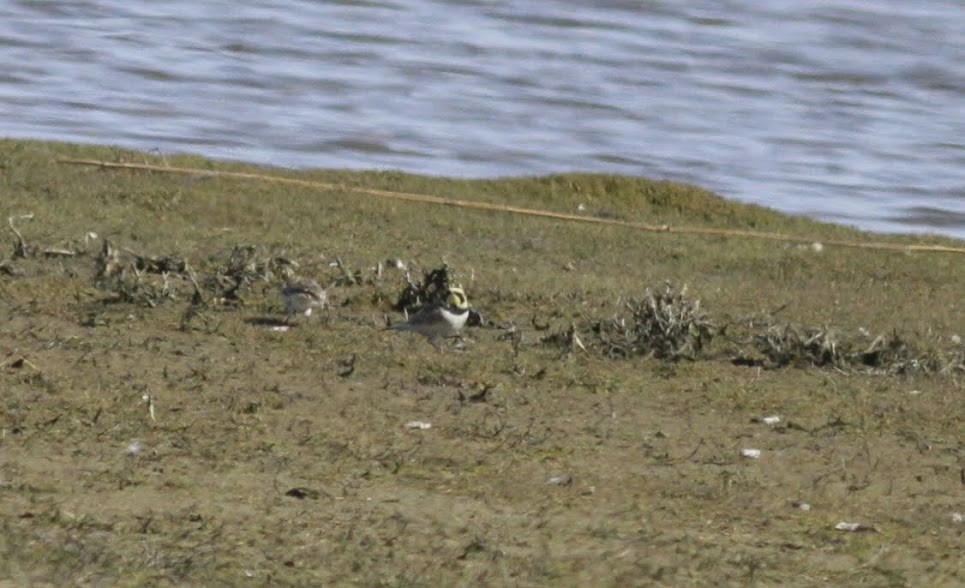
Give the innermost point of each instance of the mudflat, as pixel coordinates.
(628, 407)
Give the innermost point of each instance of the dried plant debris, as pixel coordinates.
(137, 279)
(433, 288)
(244, 266)
(133, 277)
(346, 276)
(108, 262)
(896, 355)
(137, 287)
(8, 269)
(167, 264)
(566, 339)
(20, 248)
(787, 345)
(67, 248)
(667, 325)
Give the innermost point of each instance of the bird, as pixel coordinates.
(301, 295)
(439, 320)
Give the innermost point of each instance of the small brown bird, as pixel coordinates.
(301, 295)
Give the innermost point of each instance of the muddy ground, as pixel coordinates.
(159, 425)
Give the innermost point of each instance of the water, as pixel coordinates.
(844, 110)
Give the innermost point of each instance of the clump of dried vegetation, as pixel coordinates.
(148, 280)
(787, 345)
(670, 325)
(666, 324)
(142, 280)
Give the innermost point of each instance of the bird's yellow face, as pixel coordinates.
(457, 298)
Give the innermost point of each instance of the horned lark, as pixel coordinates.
(440, 320)
(301, 295)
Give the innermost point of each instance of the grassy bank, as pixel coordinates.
(156, 428)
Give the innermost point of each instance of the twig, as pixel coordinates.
(57, 252)
(21, 248)
(197, 289)
(694, 452)
(149, 400)
(345, 272)
(20, 362)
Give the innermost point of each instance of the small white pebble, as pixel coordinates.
(751, 453)
(853, 527)
(957, 517)
(771, 420)
(802, 506)
(956, 340)
(914, 392)
(133, 448)
(581, 207)
(418, 425)
(817, 247)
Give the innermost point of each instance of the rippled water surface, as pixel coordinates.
(846, 110)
